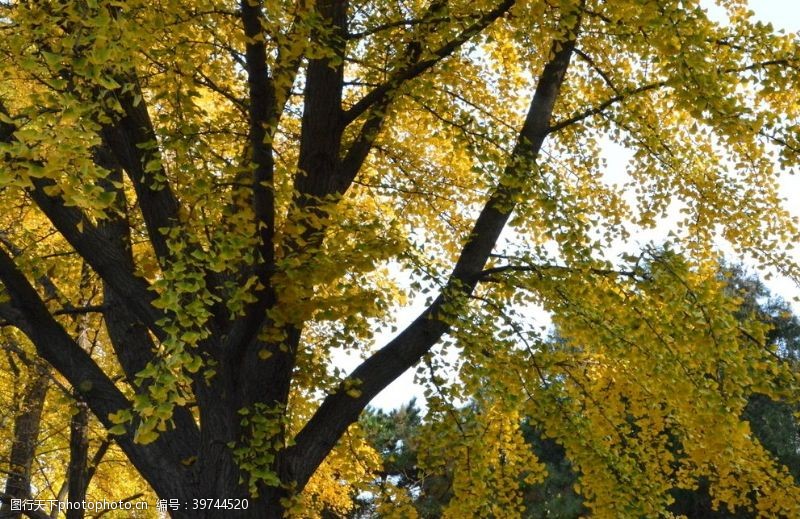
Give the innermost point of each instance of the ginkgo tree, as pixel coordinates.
(256, 187)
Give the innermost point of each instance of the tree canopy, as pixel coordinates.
(397, 435)
(228, 195)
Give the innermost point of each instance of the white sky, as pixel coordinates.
(783, 14)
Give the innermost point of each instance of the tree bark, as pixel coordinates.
(77, 472)
(26, 436)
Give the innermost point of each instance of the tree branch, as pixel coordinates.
(560, 125)
(397, 23)
(411, 71)
(261, 112)
(80, 310)
(132, 139)
(359, 149)
(322, 126)
(318, 157)
(340, 409)
(487, 274)
(263, 118)
(113, 265)
(56, 346)
(383, 95)
(99, 454)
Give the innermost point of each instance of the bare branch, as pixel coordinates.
(488, 274)
(560, 125)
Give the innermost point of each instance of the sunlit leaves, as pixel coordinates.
(649, 349)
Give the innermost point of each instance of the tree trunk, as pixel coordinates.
(26, 436)
(266, 506)
(78, 473)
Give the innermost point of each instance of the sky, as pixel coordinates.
(783, 14)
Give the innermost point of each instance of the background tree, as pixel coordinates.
(51, 449)
(253, 187)
(21, 445)
(395, 436)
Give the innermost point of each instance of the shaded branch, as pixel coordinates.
(486, 274)
(261, 111)
(263, 117)
(55, 345)
(272, 93)
(91, 469)
(31, 362)
(80, 310)
(132, 139)
(320, 139)
(111, 263)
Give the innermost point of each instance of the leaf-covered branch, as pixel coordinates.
(133, 141)
(340, 409)
(415, 69)
(108, 259)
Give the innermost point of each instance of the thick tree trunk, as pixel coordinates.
(267, 505)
